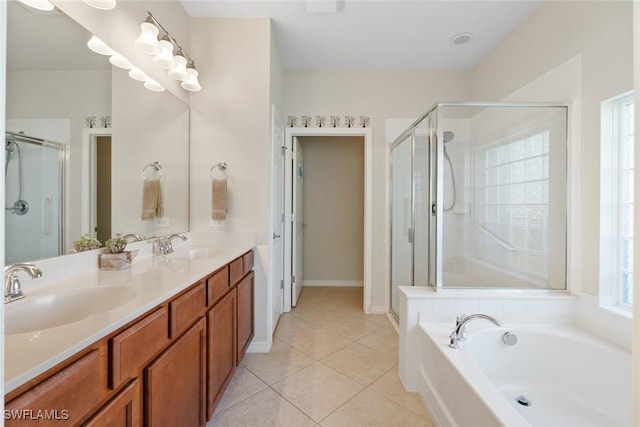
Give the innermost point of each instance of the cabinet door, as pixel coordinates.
(63, 399)
(175, 382)
(221, 321)
(124, 410)
(244, 315)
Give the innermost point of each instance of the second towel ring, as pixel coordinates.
(157, 166)
(222, 167)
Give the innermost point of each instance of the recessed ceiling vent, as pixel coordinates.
(461, 38)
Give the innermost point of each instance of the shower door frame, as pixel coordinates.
(62, 150)
(436, 168)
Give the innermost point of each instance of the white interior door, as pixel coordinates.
(277, 221)
(297, 223)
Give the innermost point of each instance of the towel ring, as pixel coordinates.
(157, 166)
(222, 166)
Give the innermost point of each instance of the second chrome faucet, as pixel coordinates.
(163, 245)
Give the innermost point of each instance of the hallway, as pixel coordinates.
(330, 365)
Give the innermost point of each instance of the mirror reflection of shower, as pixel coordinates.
(34, 172)
(12, 148)
(448, 136)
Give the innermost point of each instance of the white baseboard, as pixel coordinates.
(259, 347)
(337, 283)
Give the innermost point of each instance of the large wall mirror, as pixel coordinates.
(66, 176)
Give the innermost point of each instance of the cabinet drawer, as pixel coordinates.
(124, 410)
(186, 308)
(247, 262)
(217, 285)
(131, 349)
(67, 396)
(235, 270)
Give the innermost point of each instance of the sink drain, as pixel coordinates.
(523, 401)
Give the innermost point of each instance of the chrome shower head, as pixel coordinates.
(447, 136)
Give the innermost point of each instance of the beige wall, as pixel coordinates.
(333, 209)
(379, 95)
(154, 128)
(600, 40)
(230, 121)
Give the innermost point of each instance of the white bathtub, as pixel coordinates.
(571, 378)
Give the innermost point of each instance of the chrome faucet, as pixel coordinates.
(12, 288)
(458, 333)
(163, 246)
(135, 237)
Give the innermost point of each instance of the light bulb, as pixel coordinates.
(148, 39)
(179, 71)
(164, 57)
(101, 4)
(98, 46)
(38, 4)
(191, 82)
(120, 61)
(137, 74)
(153, 86)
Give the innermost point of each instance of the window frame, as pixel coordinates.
(612, 203)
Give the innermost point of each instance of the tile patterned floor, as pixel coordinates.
(331, 365)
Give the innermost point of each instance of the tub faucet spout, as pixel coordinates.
(458, 333)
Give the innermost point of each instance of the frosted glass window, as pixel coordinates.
(516, 195)
(617, 198)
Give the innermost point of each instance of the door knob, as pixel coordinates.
(304, 225)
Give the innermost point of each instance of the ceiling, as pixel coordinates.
(379, 34)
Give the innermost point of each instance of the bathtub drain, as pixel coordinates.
(523, 401)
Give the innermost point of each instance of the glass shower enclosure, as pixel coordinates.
(479, 198)
(34, 177)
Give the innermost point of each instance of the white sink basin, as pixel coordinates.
(49, 311)
(198, 253)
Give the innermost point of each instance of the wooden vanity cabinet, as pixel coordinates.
(170, 367)
(65, 398)
(244, 313)
(221, 346)
(175, 382)
(124, 410)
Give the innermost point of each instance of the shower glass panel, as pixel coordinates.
(33, 198)
(482, 189)
(402, 219)
(504, 196)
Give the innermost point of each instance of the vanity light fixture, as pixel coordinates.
(101, 4)
(153, 86)
(180, 66)
(148, 39)
(39, 4)
(137, 74)
(164, 57)
(120, 61)
(191, 83)
(100, 47)
(179, 70)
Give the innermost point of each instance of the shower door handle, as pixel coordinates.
(410, 235)
(434, 208)
(46, 216)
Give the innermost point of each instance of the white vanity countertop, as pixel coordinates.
(151, 280)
